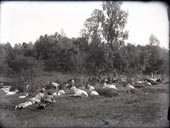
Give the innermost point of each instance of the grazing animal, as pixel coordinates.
(70, 83)
(94, 93)
(111, 86)
(55, 85)
(79, 92)
(55, 94)
(12, 92)
(148, 83)
(92, 90)
(6, 89)
(61, 92)
(139, 82)
(129, 86)
(90, 87)
(152, 81)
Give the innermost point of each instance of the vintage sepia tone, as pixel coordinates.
(84, 64)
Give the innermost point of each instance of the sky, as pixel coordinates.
(26, 21)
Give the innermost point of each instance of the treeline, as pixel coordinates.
(100, 49)
(61, 54)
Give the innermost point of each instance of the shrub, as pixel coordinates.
(23, 69)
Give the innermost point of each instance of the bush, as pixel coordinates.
(23, 69)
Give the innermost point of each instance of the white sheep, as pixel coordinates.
(90, 87)
(12, 92)
(148, 83)
(92, 90)
(129, 86)
(55, 94)
(111, 86)
(94, 93)
(6, 88)
(61, 92)
(140, 82)
(54, 84)
(79, 92)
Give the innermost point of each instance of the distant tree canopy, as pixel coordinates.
(99, 49)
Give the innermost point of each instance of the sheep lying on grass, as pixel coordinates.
(61, 92)
(110, 86)
(130, 88)
(91, 90)
(94, 93)
(90, 87)
(79, 92)
(7, 91)
(55, 85)
(12, 92)
(5, 88)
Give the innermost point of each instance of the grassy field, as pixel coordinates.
(147, 107)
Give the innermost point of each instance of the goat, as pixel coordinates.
(79, 92)
(111, 86)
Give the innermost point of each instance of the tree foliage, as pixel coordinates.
(99, 49)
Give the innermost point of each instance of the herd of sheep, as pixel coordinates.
(88, 89)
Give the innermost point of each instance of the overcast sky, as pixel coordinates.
(26, 21)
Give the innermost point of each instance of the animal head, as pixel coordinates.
(73, 88)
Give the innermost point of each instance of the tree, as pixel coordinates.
(153, 41)
(108, 24)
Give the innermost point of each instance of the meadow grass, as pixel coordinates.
(147, 107)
